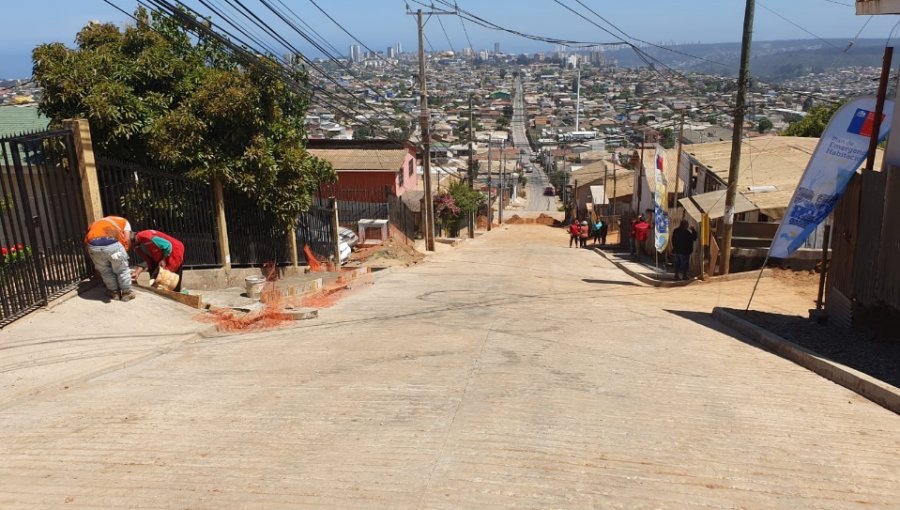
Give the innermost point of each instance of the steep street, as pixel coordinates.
(537, 178)
(509, 372)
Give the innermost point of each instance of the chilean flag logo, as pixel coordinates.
(659, 162)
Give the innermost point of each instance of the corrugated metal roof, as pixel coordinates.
(18, 119)
(362, 160)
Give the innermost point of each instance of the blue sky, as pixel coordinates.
(380, 23)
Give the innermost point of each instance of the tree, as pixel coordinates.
(814, 122)
(362, 133)
(154, 93)
(502, 122)
(667, 138)
(764, 125)
(807, 103)
(403, 130)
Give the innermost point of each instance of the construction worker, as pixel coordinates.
(106, 242)
(159, 250)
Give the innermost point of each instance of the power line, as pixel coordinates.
(826, 41)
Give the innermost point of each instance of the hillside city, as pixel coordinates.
(613, 273)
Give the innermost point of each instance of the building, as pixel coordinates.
(496, 48)
(391, 52)
(16, 120)
(365, 168)
(355, 53)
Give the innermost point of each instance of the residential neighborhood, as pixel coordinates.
(449, 255)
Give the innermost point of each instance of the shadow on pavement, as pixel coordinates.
(609, 282)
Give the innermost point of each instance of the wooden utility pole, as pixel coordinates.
(471, 168)
(678, 160)
(879, 106)
(640, 186)
(737, 134)
(614, 188)
(500, 192)
(490, 207)
(424, 121)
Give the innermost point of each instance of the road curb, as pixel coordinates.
(877, 391)
(642, 278)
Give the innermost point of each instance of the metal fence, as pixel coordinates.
(403, 218)
(151, 199)
(255, 236)
(42, 221)
(314, 229)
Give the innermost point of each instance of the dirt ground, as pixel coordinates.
(388, 254)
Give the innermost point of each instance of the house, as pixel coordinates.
(365, 168)
(16, 120)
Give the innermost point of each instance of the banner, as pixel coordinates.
(838, 155)
(661, 205)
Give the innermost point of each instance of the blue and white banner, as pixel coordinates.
(839, 154)
(661, 204)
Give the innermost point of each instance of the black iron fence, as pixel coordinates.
(403, 218)
(42, 221)
(254, 235)
(314, 229)
(151, 199)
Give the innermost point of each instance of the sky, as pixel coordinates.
(381, 23)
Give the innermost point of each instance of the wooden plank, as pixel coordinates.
(192, 300)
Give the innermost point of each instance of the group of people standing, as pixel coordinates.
(107, 243)
(580, 232)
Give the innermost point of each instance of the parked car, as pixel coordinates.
(549, 191)
(313, 231)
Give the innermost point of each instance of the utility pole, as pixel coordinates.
(471, 169)
(734, 167)
(678, 160)
(605, 189)
(490, 208)
(640, 185)
(500, 192)
(614, 188)
(424, 120)
(578, 99)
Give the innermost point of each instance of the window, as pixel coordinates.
(412, 167)
(400, 177)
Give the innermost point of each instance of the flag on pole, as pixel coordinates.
(661, 204)
(840, 152)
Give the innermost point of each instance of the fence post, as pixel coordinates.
(87, 168)
(335, 234)
(221, 225)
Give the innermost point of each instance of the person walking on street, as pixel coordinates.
(107, 242)
(574, 232)
(583, 234)
(596, 229)
(604, 231)
(159, 251)
(683, 239)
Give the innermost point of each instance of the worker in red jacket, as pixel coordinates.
(159, 250)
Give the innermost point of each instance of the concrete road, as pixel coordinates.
(512, 372)
(537, 179)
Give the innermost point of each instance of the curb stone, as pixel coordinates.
(877, 391)
(642, 278)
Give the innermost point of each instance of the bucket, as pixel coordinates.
(166, 279)
(254, 285)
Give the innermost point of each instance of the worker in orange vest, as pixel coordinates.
(107, 242)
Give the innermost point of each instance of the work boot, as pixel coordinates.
(126, 295)
(112, 294)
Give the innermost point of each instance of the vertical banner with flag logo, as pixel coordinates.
(661, 205)
(839, 154)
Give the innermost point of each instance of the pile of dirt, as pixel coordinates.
(515, 220)
(388, 254)
(543, 219)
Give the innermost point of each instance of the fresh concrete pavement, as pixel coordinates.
(509, 372)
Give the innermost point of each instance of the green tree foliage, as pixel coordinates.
(467, 199)
(502, 122)
(667, 138)
(814, 122)
(764, 125)
(362, 133)
(155, 94)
